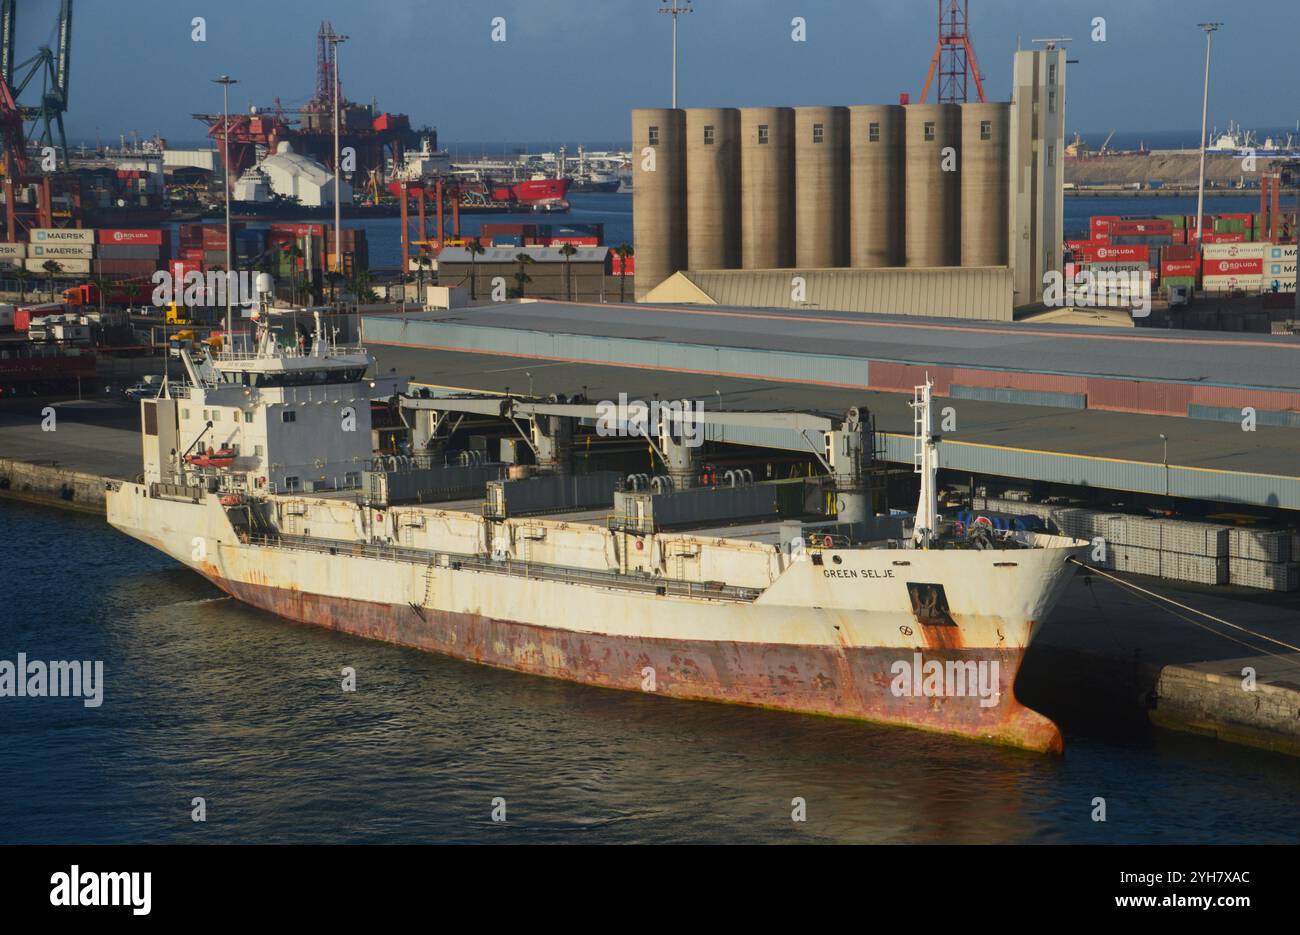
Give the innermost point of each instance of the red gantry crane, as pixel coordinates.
(954, 57)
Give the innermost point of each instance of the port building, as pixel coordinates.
(861, 191)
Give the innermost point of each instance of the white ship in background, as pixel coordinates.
(260, 474)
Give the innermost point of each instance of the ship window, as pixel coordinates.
(291, 482)
(257, 451)
(986, 129)
(216, 415)
(248, 417)
(150, 418)
(929, 131)
(654, 136)
(762, 134)
(819, 132)
(352, 479)
(708, 136)
(1051, 154)
(185, 413)
(1051, 102)
(1051, 74)
(873, 132)
(288, 416)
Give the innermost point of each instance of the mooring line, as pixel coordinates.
(1168, 600)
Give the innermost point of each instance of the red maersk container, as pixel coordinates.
(143, 238)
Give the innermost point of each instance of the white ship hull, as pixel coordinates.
(674, 614)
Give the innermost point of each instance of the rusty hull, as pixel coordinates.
(837, 681)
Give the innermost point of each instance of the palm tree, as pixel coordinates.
(624, 250)
(566, 251)
(52, 268)
(422, 262)
(295, 254)
(334, 277)
(22, 274)
(522, 278)
(101, 284)
(360, 286)
(475, 246)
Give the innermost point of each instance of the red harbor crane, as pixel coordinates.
(954, 57)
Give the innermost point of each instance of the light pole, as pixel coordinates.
(1205, 108)
(675, 7)
(1164, 459)
(226, 81)
(338, 212)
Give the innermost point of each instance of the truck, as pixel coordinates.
(118, 293)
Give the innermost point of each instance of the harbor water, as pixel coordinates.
(205, 698)
(614, 210)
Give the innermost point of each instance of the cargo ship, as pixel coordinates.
(288, 508)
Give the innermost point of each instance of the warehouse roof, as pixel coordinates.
(817, 345)
(982, 293)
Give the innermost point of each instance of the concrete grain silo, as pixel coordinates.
(767, 187)
(712, 188)
(658, 195)
(876, 184)
(985, 179)
(932, 186)
(821, 187)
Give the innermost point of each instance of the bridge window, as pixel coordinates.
(763, 134)
(819, 132)
(654, 136)
(873, 132)
(288, 416)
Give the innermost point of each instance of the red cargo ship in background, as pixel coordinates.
(487, 197)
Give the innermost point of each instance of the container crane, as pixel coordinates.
(46, 118)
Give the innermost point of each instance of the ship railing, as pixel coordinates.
(712, 590)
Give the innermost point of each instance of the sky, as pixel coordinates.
(572, 69)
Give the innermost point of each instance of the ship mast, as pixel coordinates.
(926, 463)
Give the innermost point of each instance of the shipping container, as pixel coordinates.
(13, 251)
(62, 235)
(125, 237)
(118, 252)
(300, 230)
(68, 266)
(130, 268)
(1119, 228)
(57, 251)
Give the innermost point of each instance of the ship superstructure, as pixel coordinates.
(260, 474)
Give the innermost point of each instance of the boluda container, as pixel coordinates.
(131, 237)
